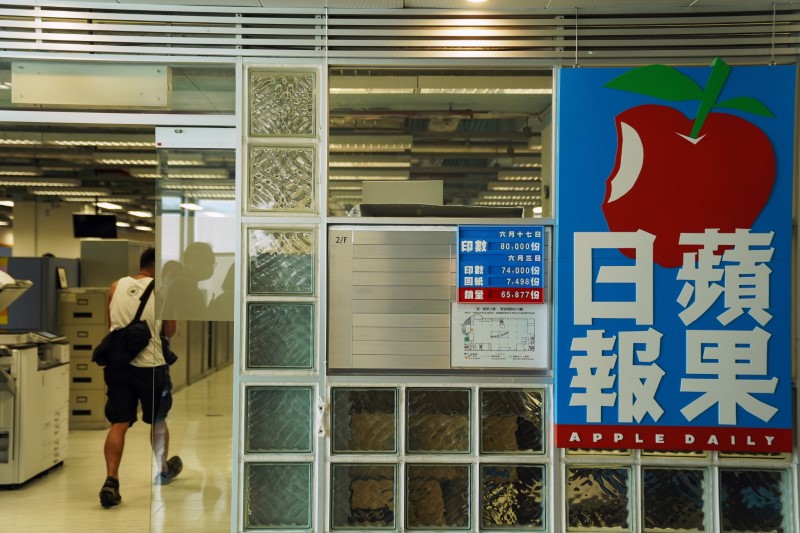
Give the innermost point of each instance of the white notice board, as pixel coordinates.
(503, 335)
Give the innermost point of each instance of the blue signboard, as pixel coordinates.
(500, 264)
(673, 257)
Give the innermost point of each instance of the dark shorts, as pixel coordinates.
(127, 387)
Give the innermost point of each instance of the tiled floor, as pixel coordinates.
(65, 500)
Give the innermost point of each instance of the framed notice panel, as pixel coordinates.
(393, 298)
(674, 246)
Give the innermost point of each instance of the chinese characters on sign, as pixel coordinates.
(674, 327)
(500, 264)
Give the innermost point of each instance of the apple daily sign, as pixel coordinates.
(673, 252)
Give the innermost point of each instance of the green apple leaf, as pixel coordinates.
(747, 104)
(658, 81)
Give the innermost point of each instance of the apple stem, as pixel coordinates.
(719, 75)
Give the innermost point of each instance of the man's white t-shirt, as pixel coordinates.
(123, 308)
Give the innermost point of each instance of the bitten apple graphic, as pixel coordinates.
(676, 175)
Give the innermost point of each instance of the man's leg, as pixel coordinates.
(159, 438)
(114, 446)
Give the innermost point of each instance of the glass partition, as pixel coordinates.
(445, 137)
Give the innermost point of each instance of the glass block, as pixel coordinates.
(598, 498)
(674, 499)
(277, 496)
(280, 178)
(755, 455)
(754, 501)
(512, 497)
(280, 335)
(597, 451)
(282, 103)
(512, 421)
(675, 453)
(278, 419)
(437, 496)
(364, 420)
(438, 420)
(362, 496)
(281, 262)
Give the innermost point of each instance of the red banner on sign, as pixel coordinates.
(727, 439)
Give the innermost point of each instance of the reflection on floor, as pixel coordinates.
(65, 499)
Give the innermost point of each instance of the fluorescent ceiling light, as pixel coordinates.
(105, 199)
(123, 225)
(527, 162)
(108, 205)
(20, 138)
(369, 143)
(191, 207)
(504, 203)
(202, 195)
(537, 210)
(19, 171)
(197, 186)
(44, 182)
(373, 84)
(140, 214)
(511, 186)
(69, 192)
(213, 214)
(143, 228)
(7, 203)
(486, 85)
(369, 161)
(4, 223)
(125, 158)
(212, 173)
(518, 175)
(358, 174)
(133, 140)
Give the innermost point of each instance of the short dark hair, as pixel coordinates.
(148, 258)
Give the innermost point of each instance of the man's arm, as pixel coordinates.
(108, 302)
(168, 327)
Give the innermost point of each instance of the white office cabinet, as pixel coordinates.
(33, 414)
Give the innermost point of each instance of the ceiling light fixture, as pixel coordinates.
(358, 174)
(7, 203)
(369, 161)
(107, 205)
(370, 143)
(69, 192)
(190, 206)
(29, 182)
(140, 214)
(143, 228)
(123, 224)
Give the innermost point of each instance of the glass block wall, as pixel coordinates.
(278, 376)
(414, 454)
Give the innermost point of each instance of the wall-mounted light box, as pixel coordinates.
(90, 85)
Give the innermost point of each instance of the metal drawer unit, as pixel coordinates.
(82, 320)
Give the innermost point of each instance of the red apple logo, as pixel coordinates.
(676, 175)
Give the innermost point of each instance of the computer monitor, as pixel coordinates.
(94, 225)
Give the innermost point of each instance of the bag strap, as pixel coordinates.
(143, 300)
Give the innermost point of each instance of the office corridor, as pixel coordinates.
(66, 499)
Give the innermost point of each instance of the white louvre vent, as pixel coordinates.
(539, 37)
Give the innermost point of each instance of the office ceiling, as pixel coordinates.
(457, 4)
(470, 140)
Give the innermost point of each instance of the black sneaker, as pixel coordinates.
(109, 493)
(174, 467)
